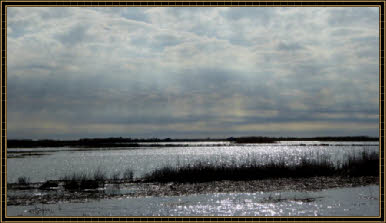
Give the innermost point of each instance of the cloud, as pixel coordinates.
(191, 72)
(289, 46)
(73, 36)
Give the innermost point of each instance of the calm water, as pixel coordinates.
(53, 163)
(357, 201)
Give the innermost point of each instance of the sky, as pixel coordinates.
(192, 72)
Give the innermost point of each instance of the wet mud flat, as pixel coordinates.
(31, 194)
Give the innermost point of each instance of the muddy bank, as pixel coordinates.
(19, 195)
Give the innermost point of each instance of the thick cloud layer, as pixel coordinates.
(192, 72)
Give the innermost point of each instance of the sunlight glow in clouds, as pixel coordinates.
(192, 72)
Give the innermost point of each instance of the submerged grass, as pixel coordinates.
(365, 165)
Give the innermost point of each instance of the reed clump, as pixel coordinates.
(81, 181)
(23, 180)
(98, 179)
(365, 165)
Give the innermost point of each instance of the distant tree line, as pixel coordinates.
(133, 142)
(330, 138)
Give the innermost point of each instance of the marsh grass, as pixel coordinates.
(23, 180)
(115, 176)
(365, 165)
(128, 175)
(98, 179)
(99, 175)
(81, 181)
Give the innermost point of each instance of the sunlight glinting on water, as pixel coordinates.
(61, 161)
(357, 201)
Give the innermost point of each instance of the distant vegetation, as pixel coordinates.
(331, 138)
(129, 142)
(95, 143)
(253, 140)
(365, 165)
